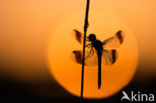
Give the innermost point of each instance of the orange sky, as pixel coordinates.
(26, 25)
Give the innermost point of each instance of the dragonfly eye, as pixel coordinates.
(92, 37)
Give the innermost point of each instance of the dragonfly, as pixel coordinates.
(97, 51)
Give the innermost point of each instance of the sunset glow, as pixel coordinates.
(68, 74)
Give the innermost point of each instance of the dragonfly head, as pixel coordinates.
(92, 37)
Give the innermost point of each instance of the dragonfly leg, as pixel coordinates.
(90, 53)
(88, 45)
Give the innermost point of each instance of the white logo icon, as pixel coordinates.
(125, 96)
(137, 96)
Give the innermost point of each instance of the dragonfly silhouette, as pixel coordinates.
(98, 51)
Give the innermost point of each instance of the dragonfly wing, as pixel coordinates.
(109, 57)
(90, 60)
(78, 36)
(114, 41)
(76, 56)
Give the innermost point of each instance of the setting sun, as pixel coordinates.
(68, 74)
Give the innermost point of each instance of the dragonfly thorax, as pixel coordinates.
(97, 44)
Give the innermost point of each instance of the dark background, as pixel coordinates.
(50, 91)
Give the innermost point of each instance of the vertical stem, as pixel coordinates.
(84, 43)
